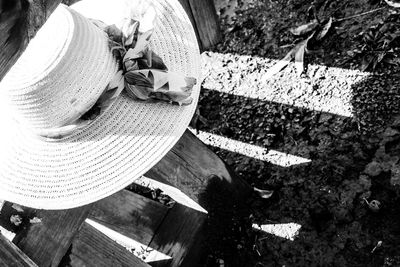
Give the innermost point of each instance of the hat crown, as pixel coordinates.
(63, 71)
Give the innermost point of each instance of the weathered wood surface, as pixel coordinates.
(12, 256)
(19, 21)
(193, 168)
(130, 214)
(63, 236)
(205, 20)
(47, 241)
(91, 248)
(178, 234)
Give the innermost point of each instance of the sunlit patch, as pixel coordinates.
(325, 89)
(285, 230)
(7, 234)
(257, 152)
(143, 252)
(171, 191)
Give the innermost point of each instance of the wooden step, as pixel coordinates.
(63, 238)
(91, 248)
(11, 255)
(130, 214)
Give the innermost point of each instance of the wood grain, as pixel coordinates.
(11, 255)
(91, 248)
(186, 6)
(130, 214)
(48, 241)
(19, 22)
(193, 168)
(178, 234)
(205, 20)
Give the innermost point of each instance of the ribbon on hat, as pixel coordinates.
(142, 73)
(145, 74)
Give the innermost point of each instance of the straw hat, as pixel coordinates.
(69, 64)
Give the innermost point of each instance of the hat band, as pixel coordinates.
(142, 73)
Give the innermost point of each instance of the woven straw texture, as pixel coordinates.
(122, 144)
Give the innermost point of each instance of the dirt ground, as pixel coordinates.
(354, 159)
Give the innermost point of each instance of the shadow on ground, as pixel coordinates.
(325, 196)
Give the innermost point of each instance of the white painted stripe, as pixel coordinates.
(260, 153)
(285, 230)
(327, 89)
(171, 191)
(7, 234)
(141, 251)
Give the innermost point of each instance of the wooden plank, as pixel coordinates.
(186, 6)
(11, 255)
(206, 21)
(130, 214)
(92, 248)
(19, 22)
(179, 234)
(197, 171)
(47, 241)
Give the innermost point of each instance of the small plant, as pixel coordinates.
(380, 44)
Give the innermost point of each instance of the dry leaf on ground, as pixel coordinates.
(35, 220)
(16, 220)
(265, 194)
(321, 34)
(299, 57)
(305, 29)
(280, 64)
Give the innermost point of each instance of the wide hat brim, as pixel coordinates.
(121, 145)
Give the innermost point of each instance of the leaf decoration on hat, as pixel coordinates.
(159, 84)
(143, 74)
(146, 75)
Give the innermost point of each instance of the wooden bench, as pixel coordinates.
(205, 21)
(66, 237)
(78, 237)
(74, 237)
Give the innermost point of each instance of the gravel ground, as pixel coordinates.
(341, 118)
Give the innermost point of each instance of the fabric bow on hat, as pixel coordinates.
(142, 74)
(64, 80)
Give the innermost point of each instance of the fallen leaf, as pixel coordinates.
(374, 205)
(324, 30)
(16, 220)
(281, 64)
(301, 48)
(265, 194)
(35, 220)
(304, 29)
(296, 53)
(17, 207)
(392, 4)
(299, 57)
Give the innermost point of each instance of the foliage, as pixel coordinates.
(380, 44)
(353, 159)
